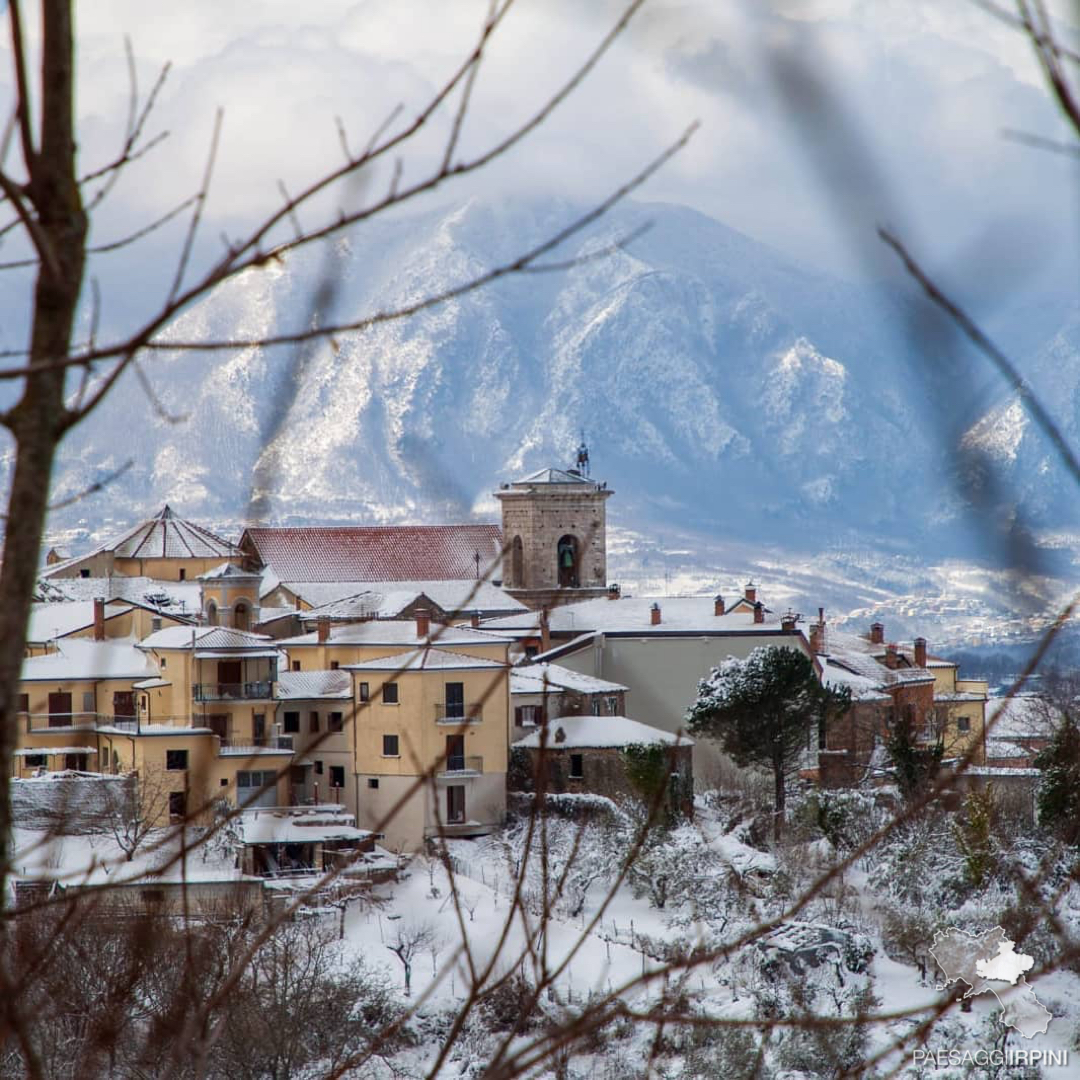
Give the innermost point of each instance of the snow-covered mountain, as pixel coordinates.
(722, 387)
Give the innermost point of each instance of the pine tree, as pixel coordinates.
(763, 710)
(1058, 798)
(913, 766)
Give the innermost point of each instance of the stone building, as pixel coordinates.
(554, 530)
(591, 755)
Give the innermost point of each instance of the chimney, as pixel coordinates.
(718, 605)
(759, 612)
(750, 593)
(892, 657)
(613, 591)
(920, 652)
(817, 633)
(877, 633)
(474, 622)
(545, 631)
(322, 629)
(423, 623)
(654, 615)
(99, 618)
(788, 621)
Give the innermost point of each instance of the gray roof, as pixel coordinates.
(396, 632)
(426, 659)
(554, 476)
(553, 678)
(310, 685)
(205, 637)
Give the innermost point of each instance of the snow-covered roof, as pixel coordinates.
(397, 632)
(633, 614)
(306, 825)
(50, 751)
(426, 659)
(861, 687)
(82, 658)
(309, 685)
(452, 595)
(541, 678)
(53, 620)
(230, 570)
(376, 553)
(205, 638)
(1023, 716)
(555, 476)
(600, 731)
(173, 598)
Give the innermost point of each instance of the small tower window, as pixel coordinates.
(517, 564)
(567, 561)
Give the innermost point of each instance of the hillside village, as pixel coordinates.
(343, 666)
(338, 722)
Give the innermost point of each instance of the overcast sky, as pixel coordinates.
(819, 118)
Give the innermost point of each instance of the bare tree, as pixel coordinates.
(409, 941)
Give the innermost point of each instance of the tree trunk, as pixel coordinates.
(39, 419)
(778, 800)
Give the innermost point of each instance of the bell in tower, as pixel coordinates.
(555, 535)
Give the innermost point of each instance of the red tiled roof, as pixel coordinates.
(375, 553)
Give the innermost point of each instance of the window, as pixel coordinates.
(337, 776)
(258, 729)
(336, 722)
(365, 692)
(23, 704)
(373, 782)
(294, 665)
(75, 762)
(183, 574)
(224, 782)
(390, 746)
(455, 701)
(318, 768)
(528, 715)
(152, 896)
(35, 761)
(177, 805)
(577, 766)
(595, 706)
(164, 662)
(389, 693)
(531, 651)
(334, 665)
(613, 704)
(963, 724)
(88, 702)
(176, 760)
(455, 803)
(313, 722)
(84, 573)
(291, 723)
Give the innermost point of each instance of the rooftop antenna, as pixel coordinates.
(582, 462)
(476, 557)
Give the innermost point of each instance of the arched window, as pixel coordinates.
(241, 616)
(517, 564)
(211, 613)
(567, 561)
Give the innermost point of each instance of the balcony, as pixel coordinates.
(80, 721)
(281, 744)
(461, 768)
(458, 713)
(246, 691)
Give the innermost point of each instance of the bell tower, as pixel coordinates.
(555, 535)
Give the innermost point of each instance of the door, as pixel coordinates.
(247, 788)
(455, 804)
(455, 753)
(455, 700)
(218, 723)
(60, 710)
(229, 677)
(123, 703)
(258, 729)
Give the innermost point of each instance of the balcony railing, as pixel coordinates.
(458, 713)
(220, 691)
(81, 721)
(461, 766)
(280, 744)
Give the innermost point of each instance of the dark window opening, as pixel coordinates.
(291, 723)
(567, 561)
(455, 701)
(455, 804)
(963, 724)
(177, 805)
(294, 665)
(390, 693)
(84, 573)
(183, 574)
(313, 722)
(577, 766)
(390, 746)
(334, 665)
(365, 692)
(373, 782)
(258, 729)
(337, 722)
(318, 768)
(337, 776)
(176, 760)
